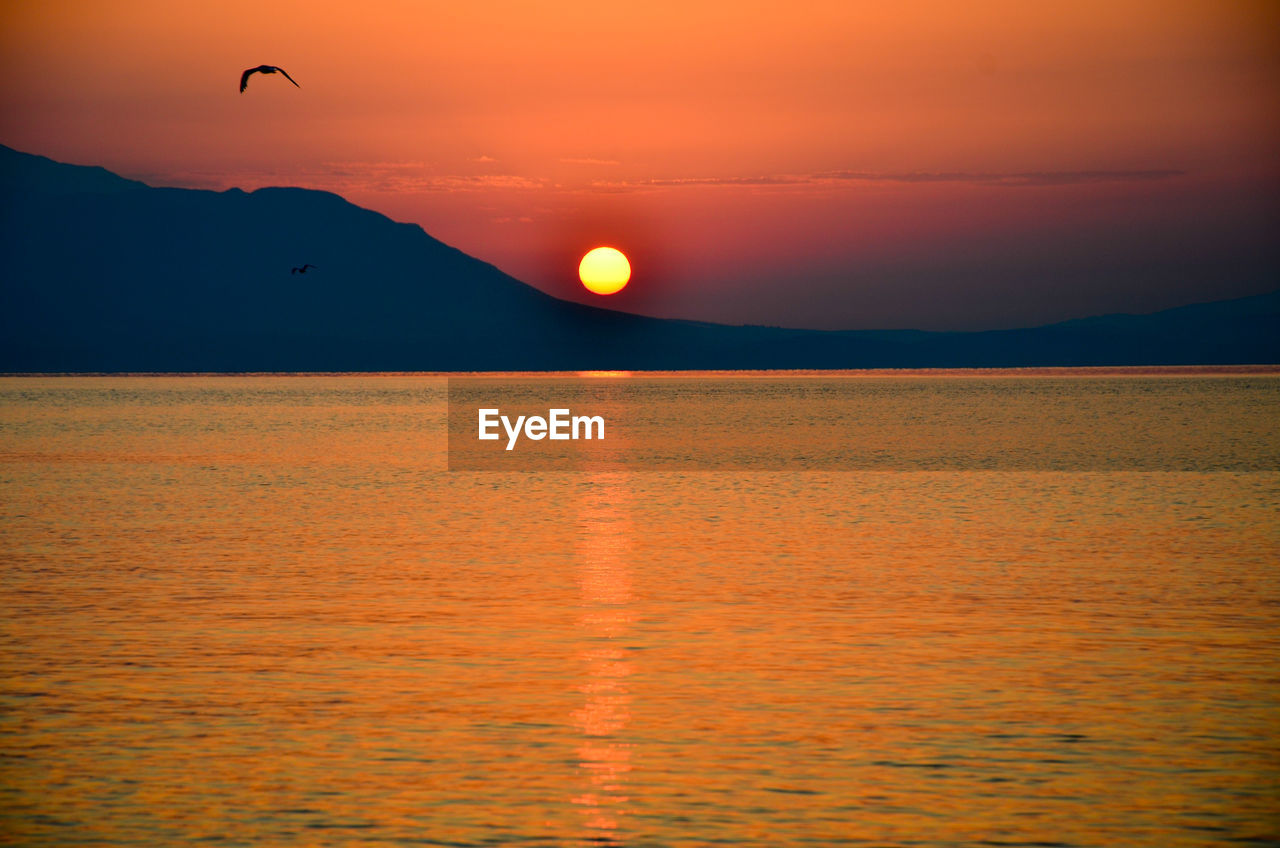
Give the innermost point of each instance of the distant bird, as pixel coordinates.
(263, 69)
(301, 270)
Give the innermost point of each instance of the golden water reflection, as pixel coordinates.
(604, 579)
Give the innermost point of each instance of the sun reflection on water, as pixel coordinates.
(604, 757)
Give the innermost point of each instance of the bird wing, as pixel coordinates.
(244, 79)
(286, 76)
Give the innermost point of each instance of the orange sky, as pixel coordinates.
(808, 163)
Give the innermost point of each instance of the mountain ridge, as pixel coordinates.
(102, 273)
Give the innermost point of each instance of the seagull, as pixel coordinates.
(301, 270)
(263, 69)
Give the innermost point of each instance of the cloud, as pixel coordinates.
(344, 177)
(411, 177)
(482, 158)
(1018, 178)
(1010, 179)
(415, 177)
(475, 183)
(380, 165)
(700, 181)
(591, 161)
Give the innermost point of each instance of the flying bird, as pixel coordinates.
(263, 69)
(301, 270)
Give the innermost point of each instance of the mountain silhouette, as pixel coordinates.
(101, 273)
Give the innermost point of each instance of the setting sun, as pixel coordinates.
(604, 270)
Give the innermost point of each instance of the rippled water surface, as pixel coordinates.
(258, 611)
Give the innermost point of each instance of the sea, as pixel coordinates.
(260, 610)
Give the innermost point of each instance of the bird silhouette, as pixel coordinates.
(302, 270)
(263, 69)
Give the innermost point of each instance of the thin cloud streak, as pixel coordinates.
(347, 177)
(1023, 178)
(1012, 179)
(410, 177)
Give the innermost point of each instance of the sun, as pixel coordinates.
(604, 270)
